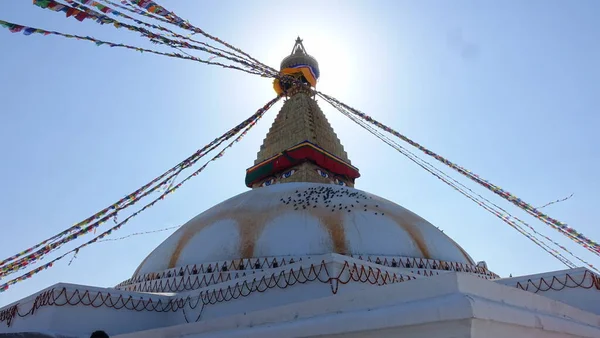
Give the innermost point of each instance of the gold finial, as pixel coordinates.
(299, 47)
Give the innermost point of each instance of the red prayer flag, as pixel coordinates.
(71, 12)
(81, 16)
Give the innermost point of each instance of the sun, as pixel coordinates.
(331, 52)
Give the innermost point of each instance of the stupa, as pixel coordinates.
(304, 254)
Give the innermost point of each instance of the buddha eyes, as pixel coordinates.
(340, 182)
(273, 180)
(322, 173)
(288, 173)
(268, 182)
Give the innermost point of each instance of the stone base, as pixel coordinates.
(449, 305)
(329, 296)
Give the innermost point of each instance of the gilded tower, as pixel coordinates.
(300, 146)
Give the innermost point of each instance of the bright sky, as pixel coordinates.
(507, 90)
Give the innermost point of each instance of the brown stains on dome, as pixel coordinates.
(414, 233)
(334, 224)
(331, 216)
(463, 252)
(410, 223)
(250, 224)
(190, 231)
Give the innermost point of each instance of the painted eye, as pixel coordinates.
(288, 174)
(268, 182)
(322, 173)
(340, 182)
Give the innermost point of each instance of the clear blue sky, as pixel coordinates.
(508, 90)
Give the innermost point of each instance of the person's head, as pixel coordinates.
(99, 334)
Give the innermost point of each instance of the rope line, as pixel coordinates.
(555, 224)
(480, 200)
(106, 9)
(27, 275)
(139, 234)
(16, 28)
(81, 13)
(111, 211)
(154, 8)
(557, 201)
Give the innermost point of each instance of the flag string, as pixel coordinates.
(24, 260)
(555, 224)
(469, 193)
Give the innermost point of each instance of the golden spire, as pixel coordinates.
(301, 146)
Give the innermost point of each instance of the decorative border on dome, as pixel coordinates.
(304, 151)
(191, 277)
(430, 264)
(348, 272)
(248, 264)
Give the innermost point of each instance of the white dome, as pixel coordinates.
(299, 219)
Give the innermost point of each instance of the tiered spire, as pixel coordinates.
(300, 119)
(301, 146)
